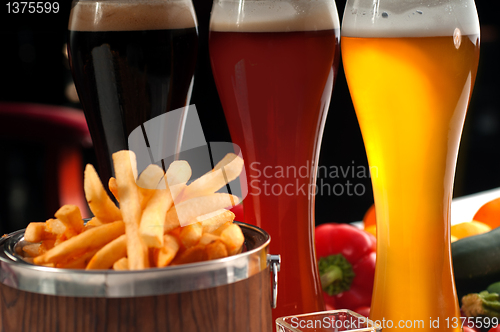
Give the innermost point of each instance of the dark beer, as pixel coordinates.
(129, 69)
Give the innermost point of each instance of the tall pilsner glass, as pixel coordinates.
(410, 66)
(132, 60)
(275, 63)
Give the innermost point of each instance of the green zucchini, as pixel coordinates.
(494, 288)
(476, 261)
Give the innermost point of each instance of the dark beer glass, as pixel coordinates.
(131, 60)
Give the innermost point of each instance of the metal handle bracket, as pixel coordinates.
(274, 262)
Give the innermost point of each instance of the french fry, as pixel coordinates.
(225, 161)
(153, 218)
(94, 222)
(28, 260)
(109, 254)
(148, 182)
(219, 230)
(32, 250)
(125, 168)
(164, 255)
(214, 220)
(113, 188)
(208, 238)
(79, 262)
(37, 231)
(178, 174)
(55, 226)
(213, 181)
(175, 232)
(45, 246)
(60, 239)
(236, 251)
(191, 234)
(216, 249)
(150, 178)
(184, 213)
(99, 202)
(151, 232)
(89, 240)
(191, 255)
(233, 238)
(176, 191)
(71, 217)
(34, 231)
(121, 264)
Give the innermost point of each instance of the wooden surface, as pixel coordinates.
(242, 306)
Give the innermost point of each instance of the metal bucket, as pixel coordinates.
(229, 294)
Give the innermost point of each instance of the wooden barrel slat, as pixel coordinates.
(241, 306)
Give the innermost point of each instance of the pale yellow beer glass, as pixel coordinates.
(410, 66)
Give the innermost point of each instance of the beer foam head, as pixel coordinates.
(274, 15)
(409, 18)
(132, 15)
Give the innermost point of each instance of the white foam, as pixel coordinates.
(411, 18)
(274, 15)
(132, 15)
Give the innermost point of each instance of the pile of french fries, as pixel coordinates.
(161, 220)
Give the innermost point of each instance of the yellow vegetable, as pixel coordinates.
(372, 229)
(458, 231)
(469, 229)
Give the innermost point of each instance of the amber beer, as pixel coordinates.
(131, 62)
(411, 107)
(275, 78)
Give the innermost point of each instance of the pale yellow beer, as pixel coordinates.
(411, 96)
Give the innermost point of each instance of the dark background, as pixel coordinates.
(33, 68)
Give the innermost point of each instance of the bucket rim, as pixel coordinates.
(18, 274)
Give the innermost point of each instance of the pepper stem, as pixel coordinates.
(336, 274)
(331, 274)
(482, 304)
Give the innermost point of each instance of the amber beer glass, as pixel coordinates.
(132, 60)
(410, 66)
(275, 63)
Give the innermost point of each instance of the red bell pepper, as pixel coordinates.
(493, 329)
(363, 311)
(346, 260)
